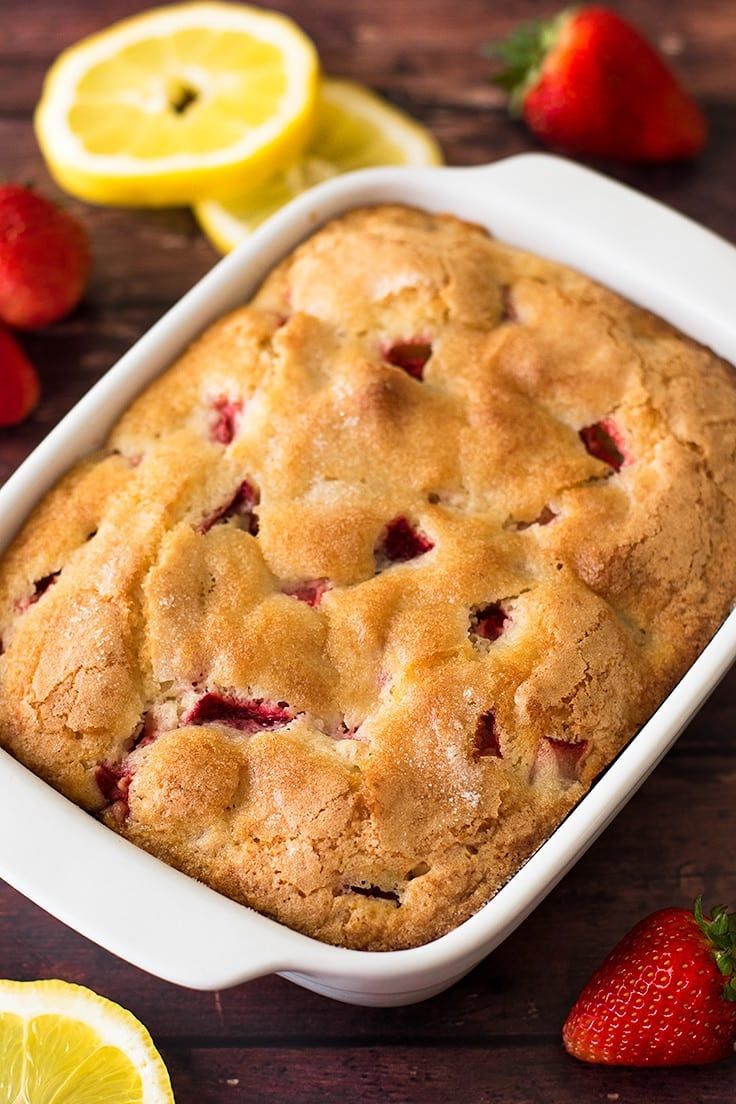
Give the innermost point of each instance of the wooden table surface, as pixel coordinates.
(495, 1037)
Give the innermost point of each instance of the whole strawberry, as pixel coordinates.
(19, 386)
(44, 259)
(587, 82)
(665, 996)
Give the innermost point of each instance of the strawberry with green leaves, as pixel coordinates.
(588, 83)
(665, 996)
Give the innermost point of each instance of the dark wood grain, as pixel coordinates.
(495, 1036)
(520, 1072)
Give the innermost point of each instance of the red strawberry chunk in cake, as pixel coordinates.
(411, 356)
(401, 542)
(565, 758)
(489, 622)
(486, 744)
(241, 505)
(604, 441)
(113, 781)
(345, 732)
(310, 591)
(224, 424)
(39, 589)
(250, 715)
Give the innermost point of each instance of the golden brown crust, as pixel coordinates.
(371, 767)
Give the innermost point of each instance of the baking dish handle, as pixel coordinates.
(629, 242)
(186, 933)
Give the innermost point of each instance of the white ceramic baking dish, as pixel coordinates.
(167, 923)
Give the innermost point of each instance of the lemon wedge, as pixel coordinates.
(64, 1044)
(179, 103)
(355, 129)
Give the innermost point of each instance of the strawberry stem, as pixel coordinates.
(522, 55)
(720, 931)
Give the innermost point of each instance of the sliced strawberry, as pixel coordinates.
(488, 622)
(247, 715)
(344, 732)
(561, 758)
(241, 505)
(411, 356)
(604, 441)
(226, 414)
(569, 757)
(400, 542)
(486, 744)
(310, 591)
(113, 781)
(20, 389)
(39, 589)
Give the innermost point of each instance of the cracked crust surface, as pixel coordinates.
(395, 761)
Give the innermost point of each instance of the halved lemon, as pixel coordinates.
(355, 130)
(179, 103)
(64, 1044)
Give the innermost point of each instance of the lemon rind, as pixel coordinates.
(178, 178)
(116, 1025)
(225, 231)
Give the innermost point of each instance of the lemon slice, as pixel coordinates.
(179, 103)
(63, 1044)
(355, 130)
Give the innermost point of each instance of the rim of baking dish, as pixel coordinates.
(164, 921)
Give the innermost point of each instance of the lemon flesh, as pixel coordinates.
(355, 129)
(64, 1044)
(178, 103)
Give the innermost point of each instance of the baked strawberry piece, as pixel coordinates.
(310, 591)
(39, 589)
(604, 441)
(226, 413)
(113, 780)
(560, 759)
(411, 356)
(488, 622)
(486, 744)
(247, 715)
(400, 542)
(240, 507)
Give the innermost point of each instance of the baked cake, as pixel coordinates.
(368, 587)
